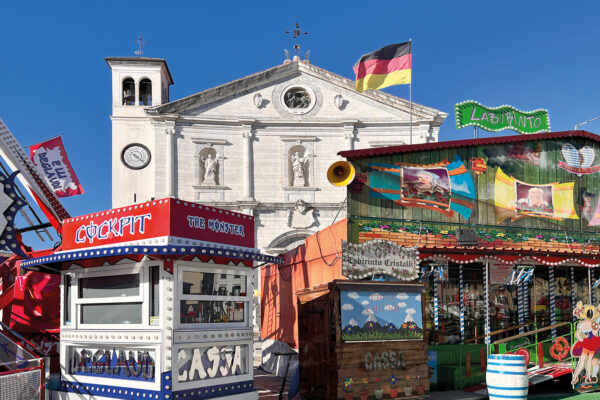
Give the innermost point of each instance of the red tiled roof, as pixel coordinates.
(381, 151)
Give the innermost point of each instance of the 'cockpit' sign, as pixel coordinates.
(156, 219)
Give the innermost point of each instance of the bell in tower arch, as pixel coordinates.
(146, 92)
(128, 92)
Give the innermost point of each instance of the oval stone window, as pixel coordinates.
(297, 98)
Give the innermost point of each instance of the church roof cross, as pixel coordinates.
(141, 44)
(296, 33)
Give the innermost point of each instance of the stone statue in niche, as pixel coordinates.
(302, 216)
(299, 165)
(211, 167)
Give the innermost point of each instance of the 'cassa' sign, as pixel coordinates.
(212, 362)
(385, 360)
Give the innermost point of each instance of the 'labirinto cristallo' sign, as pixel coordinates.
(379, 257)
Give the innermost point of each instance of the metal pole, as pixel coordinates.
(552, 299)
(410, 99)
(592, 291)
(589, 287)
(573, 291)
(436, 321)
(534, 304)
(22, 211)
(475, 131)
(410, 92)
(586, 122)
(461, 304)
(520, 306)
(526, 305)
(486, 281)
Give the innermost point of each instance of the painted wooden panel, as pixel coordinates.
(332, 369)
(548, 186)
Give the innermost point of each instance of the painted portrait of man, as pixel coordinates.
(536, 199)
(426, 183)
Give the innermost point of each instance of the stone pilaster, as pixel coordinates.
(349, 133)
(248, 166)
(170, 161)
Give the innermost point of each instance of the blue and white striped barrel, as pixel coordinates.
(506, 377)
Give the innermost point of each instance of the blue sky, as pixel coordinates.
(54, 80)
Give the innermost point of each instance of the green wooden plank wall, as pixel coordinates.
(535, 163)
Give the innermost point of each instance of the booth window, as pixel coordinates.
(213, 297)
(154, 294)
(108, 286)
(67, 302)
(111, 299)
(113, 313)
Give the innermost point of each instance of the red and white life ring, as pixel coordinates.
(524, 352)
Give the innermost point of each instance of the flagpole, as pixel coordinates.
(410, 99)
(46, 140)
(410, 93)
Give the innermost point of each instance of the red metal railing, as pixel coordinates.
(22, 369)
(23, 383)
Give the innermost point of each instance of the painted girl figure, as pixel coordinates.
(587, 343)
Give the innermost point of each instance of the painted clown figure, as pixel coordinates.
(587, 344)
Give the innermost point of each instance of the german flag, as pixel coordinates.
(390, 65)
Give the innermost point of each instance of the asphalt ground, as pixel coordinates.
(269, 385)
(558, 389)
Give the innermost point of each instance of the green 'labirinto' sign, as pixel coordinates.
(471, 113)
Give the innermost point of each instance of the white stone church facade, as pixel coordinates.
(260, 145)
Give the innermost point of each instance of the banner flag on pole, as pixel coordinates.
(16, 159)
(51, 162)
(390, 65)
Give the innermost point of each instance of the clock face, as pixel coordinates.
(135, 156)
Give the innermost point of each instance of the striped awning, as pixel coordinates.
(217, 250)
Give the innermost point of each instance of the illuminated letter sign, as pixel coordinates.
(112, 363)
(115, 227)
(211, 362)
(494, 119)
(215, 225)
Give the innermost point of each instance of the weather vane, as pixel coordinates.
(296, 34)
(141, 43)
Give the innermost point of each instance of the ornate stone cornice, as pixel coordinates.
(252, 82)
(198, 140)
(271, 122)
(260, 206)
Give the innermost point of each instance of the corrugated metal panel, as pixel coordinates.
(380, 151)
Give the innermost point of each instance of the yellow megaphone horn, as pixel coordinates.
(341, 173)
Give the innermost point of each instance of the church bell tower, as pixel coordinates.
(138, 83)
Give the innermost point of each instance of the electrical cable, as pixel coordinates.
(321, 251)
(339, 209)
(280, 267)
